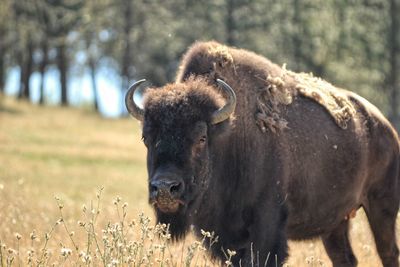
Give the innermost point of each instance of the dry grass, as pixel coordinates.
(53, 164)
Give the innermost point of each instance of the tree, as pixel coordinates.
(5, 42)
(23, 14)
(126, 59)
(63, 17)
(393, 81)
(94, 22)
(230, 22)
(44, 47)
(43, 21)
(145, 39)
(26, 68)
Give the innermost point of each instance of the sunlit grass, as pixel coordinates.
(48, 152)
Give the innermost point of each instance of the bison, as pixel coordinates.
(260, 154)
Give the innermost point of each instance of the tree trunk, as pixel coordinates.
(92, 66)
(230, 23)
(340, 9)
(126, 59)
(26, 70)
(296, 40)
(42, 69)
(62, 68)
(20, 61)
(303, 50)
(2, 73)
(394, 52)
(127, 54)
(2, 62)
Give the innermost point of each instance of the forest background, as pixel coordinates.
(87, 52)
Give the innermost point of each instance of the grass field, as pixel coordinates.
(54, 163)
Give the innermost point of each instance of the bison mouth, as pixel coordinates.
(166, 204)
(168, 208)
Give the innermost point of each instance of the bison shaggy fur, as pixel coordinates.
(295, 160)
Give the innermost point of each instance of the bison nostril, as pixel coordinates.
(153, 188)
(165, 187)
(175, 188)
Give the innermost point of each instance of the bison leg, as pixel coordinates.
(381, 210)
(266, 245)
(269, 252)
(385, 238)
(338, 247)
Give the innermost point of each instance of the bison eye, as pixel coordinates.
(203, 139)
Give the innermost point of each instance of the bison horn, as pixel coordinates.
(224, 112)
(130, 103)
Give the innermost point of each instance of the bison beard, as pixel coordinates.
(268, 156)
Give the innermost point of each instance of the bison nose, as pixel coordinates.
(173, 188)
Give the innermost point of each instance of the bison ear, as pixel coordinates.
(133, 100)
(225, 112)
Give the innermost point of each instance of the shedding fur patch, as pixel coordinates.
(280, 88)
(328, 96)
(268, 101)
(281, 91)
(222, 53)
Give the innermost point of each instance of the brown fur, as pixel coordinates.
(291, 164)
(185, 97)
(278, 86)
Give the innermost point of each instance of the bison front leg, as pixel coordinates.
(267, 242)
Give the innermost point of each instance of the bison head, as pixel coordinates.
(182, 123)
